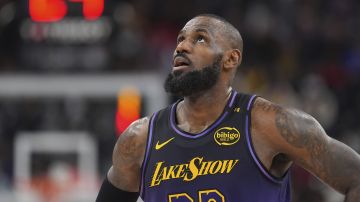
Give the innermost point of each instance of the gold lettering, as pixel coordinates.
(163, 173)
(228, 165)
(188, 172)
(216, 164)
(194, 171)
(202, 168)
(227, 136)
(207, 167)
(224, 166)
(171, 172)
(155, 181)
(181, 171)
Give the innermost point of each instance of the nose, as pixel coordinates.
(184, 46)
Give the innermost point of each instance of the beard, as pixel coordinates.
(184, 84)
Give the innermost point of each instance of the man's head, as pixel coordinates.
(208, 52)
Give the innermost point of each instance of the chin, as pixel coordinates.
(178, 72)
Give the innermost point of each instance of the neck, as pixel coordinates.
(196, 113)
(214, 98)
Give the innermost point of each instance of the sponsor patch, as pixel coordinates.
(227, 136)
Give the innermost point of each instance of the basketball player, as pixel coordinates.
(219, 145)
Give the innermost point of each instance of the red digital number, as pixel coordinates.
(55, 10)
(47, 10)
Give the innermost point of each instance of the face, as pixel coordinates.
(197, 58)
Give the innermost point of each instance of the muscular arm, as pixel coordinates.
(128, 156)
(301, 138)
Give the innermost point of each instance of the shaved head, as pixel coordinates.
(208, 48)
(227, 30)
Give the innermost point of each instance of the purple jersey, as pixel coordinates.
(217, 165)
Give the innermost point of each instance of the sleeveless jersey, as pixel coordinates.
(216, 165)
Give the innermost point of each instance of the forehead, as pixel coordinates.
(204, 24)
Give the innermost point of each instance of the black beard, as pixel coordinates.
(193, 82)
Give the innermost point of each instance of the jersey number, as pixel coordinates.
(211, 195)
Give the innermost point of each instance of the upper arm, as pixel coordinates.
(300, 137)
(128, 155)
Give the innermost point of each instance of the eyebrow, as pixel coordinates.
(203, 30)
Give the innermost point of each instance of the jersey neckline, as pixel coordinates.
(223, 115)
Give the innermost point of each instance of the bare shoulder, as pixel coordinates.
(296, 127)
(131, 143)
(128, 155)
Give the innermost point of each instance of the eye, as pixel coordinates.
(180, 39)
(200, 39)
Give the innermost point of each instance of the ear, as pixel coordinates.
(232, 59)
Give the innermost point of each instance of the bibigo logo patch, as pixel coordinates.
(227, 136)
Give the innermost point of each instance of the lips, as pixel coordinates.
(181, 63)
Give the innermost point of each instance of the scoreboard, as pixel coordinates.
(65, 35)
(55, 10)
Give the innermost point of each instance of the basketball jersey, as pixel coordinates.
(216, 165)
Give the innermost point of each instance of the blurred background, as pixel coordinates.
(75, 73)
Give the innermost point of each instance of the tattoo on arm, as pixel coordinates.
(128, 155)
(129, 144)
(307, 144)
(303, 132)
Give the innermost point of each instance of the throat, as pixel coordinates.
(192, 128)
(199, 116)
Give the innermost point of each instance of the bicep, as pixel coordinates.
(128, 155)
(306, 143)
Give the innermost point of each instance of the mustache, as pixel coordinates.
(181, 54)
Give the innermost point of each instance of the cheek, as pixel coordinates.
(203, 58)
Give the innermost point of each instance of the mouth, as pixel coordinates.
(181, 63)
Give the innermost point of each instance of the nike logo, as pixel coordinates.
(159, 146)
